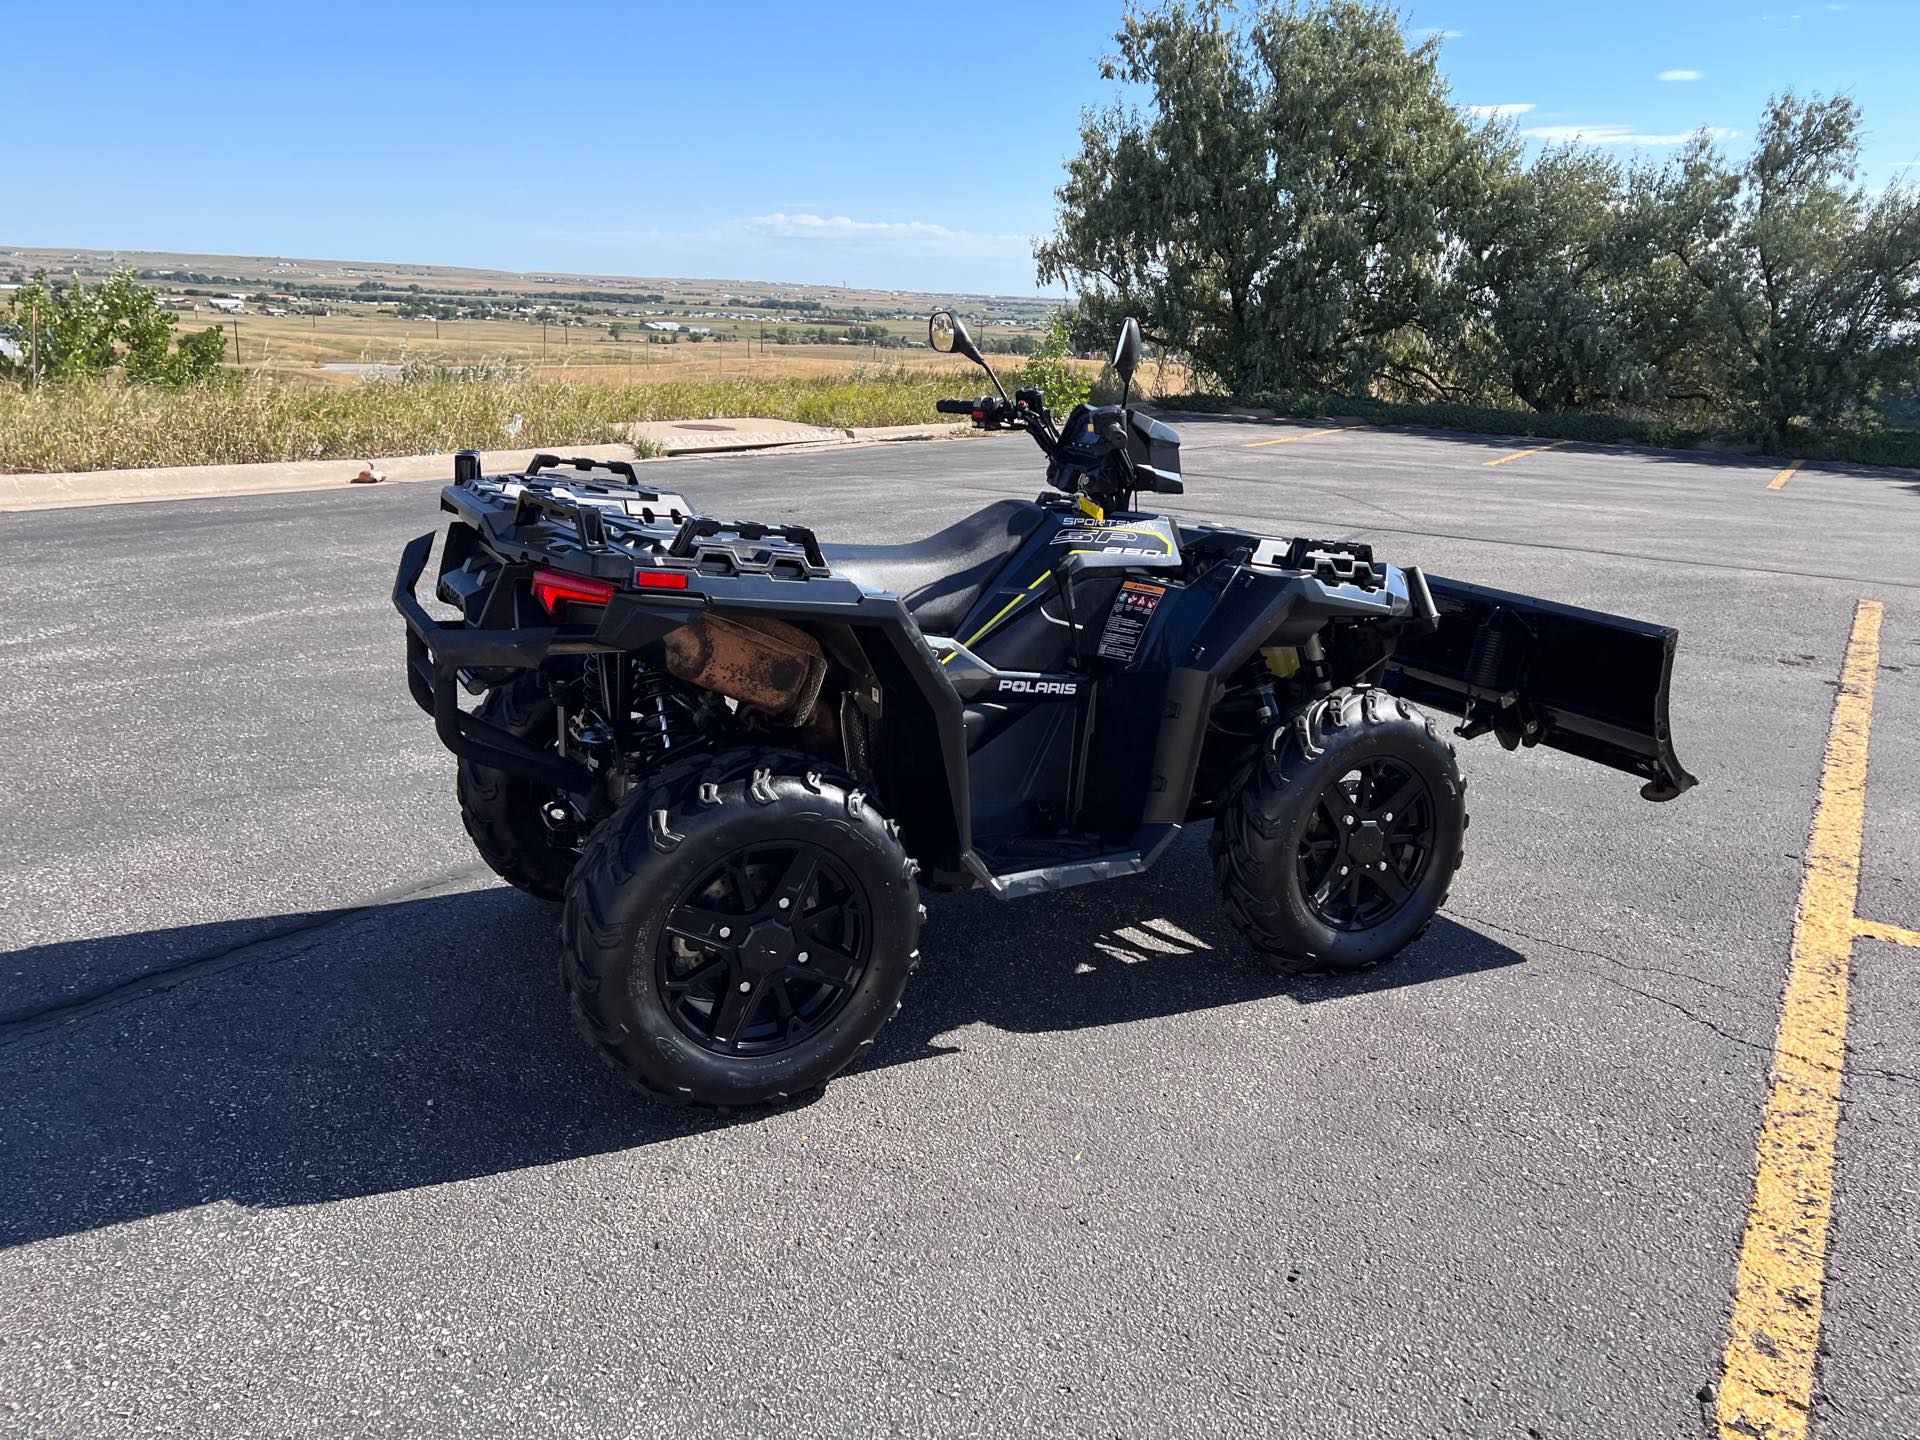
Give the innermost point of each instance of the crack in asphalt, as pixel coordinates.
(1595, 954)
(18, 1027)
(1875, 1072)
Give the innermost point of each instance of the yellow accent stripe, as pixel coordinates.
(1893, 934)
(1779, 482)
(1522, 454)
(1766, 1389)
(1310, 435)
(974, 638)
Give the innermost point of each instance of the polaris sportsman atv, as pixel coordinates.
(734, 753)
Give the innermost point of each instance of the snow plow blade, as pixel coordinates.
(1533, 672)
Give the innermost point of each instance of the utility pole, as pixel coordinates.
(236, 342)
(33, 343)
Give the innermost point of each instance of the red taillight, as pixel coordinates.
(554, 590)
(660, 579)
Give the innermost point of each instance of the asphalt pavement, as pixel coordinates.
(296, 1139)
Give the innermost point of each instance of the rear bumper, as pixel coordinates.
(1538, 673)
(438, 650)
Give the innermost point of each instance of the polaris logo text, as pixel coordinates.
(1037, 687)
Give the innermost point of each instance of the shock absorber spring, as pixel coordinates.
(661, 717)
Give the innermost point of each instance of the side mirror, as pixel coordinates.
(946, 334)
(1126, 354)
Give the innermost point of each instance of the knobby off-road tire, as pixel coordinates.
(1337, 837)
(687, 974)
(504, 815)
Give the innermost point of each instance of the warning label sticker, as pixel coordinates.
(1127, 621)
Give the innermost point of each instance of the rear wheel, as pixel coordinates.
(740, 935)
(1338, 838)
(529, 836)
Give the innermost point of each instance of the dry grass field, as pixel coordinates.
(299, 348)
(363, 379)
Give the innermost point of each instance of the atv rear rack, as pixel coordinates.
(610, 514)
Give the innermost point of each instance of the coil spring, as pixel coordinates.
(1487, 662)
(662, 718)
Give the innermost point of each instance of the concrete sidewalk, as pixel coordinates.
(193, 482)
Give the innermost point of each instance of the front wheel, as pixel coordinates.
(1337, 839)
(740, 935)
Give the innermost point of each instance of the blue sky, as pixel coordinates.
(903, 145)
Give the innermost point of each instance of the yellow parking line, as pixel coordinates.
(1779, 482)
(1522, 454)
(1310, 435)
(1766, 1386)
(1875, 930)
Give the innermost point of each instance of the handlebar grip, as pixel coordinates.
(954, 407)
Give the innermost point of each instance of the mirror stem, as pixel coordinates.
(993, 377)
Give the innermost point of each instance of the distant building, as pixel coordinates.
(662, 325)
(228, 305)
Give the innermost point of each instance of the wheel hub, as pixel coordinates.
(1366, 842)
(769, 948)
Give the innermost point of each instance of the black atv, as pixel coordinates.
(735, 753)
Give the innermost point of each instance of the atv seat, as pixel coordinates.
(943, 576)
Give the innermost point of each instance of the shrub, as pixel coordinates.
(1051, 371)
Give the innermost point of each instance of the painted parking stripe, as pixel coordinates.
(1522, 454)
(1779, 482)
(1766, 1388)
(1892, 934)
(1310, 435)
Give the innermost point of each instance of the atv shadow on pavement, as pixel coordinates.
(1106, 955)
(419, 1043)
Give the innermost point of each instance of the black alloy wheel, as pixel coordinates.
(1338, 835)
(1367, 844)
(763, 949)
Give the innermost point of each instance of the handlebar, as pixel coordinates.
(954, 407)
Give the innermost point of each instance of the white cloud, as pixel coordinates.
(1499, 112)
(1616, 135)
(1679, 75)
(917, 237)
(1434, 31)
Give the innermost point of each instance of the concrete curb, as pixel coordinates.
(207, 482)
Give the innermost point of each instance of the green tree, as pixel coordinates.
(1809, 284)
(79, 333)
(1573, 305)
(1287, 208)
(1051, 370)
